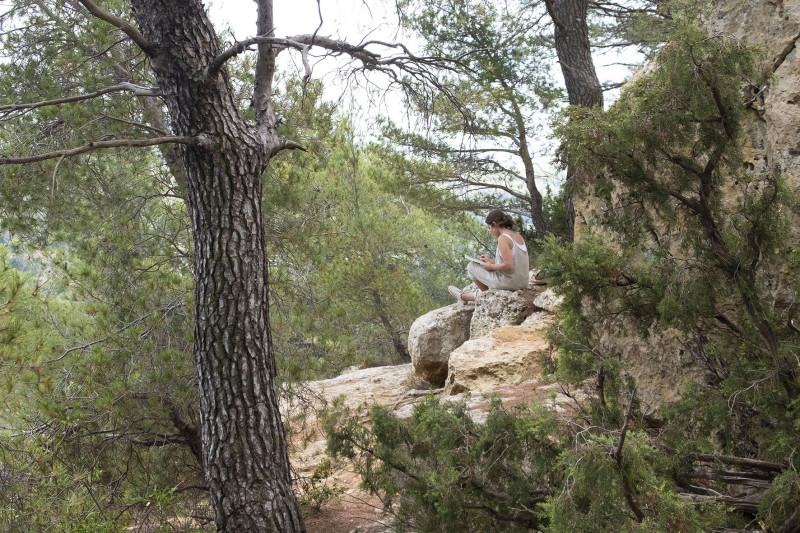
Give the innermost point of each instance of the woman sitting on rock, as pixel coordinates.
(509, 270)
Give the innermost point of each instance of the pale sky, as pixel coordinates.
(344, 19)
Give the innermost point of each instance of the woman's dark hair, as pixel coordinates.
(500, 218)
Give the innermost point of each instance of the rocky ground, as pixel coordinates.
(500, 362)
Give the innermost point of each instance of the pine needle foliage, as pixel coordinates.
(520, 469)
(691, 236)
(440, 470)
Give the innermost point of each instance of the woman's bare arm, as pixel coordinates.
(504, 249)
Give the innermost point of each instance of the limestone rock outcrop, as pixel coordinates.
(548, 300)
(494, 309)
(774, 127)
(660, 364)
(506, 355)
(434, 335)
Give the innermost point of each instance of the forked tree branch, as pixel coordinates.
(369, 58)
(626, 484)
(97, 145)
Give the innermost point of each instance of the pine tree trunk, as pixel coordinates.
(575, 56)
(243, 443)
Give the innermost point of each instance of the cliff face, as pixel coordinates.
(662, 362)
(773, 123)
(774, 120)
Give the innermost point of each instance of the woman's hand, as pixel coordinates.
(486, 259)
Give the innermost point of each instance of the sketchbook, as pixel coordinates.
(473, 259)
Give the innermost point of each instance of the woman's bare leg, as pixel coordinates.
(469, 296)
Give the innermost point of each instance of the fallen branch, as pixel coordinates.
(741, 461)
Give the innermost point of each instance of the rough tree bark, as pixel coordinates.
(575, 56)
(243, 443)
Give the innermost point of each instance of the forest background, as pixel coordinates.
(111, 267)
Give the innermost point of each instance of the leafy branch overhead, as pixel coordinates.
(396, 65)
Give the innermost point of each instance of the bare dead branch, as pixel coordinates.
(370, 59)
(487, 185)
(118, 22)
(178, 303)
(473, 150)
(741, 461)
(98, 145)
(156, 130)
(615, 9)
(135, 89)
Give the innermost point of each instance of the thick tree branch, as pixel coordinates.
(730, 325)
(264, 72)
(118, 23)
(288, 144)
(626, 484)
(135, 89)
(90, 147)
(552, 13)
(243, 46)
(684, 162)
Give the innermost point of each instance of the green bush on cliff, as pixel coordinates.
(689, 237)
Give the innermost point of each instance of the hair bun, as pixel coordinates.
(499, 218)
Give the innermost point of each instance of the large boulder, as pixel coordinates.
(508, 355)
(434, 335)
(494, 309)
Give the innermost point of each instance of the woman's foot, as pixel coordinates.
(456, 292)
